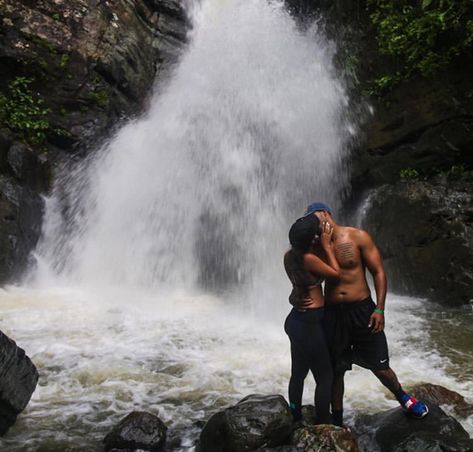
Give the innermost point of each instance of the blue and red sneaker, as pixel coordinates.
(413, 407)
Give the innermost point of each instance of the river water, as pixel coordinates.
(185, 356)
(158, 282)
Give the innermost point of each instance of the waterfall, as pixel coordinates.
(158, 248)
(201, 190)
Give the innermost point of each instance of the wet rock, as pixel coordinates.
(138, 430)
(281, 449)
(18, 379)
(254, 422)
(425, 233)
(438, 395)
(317, 438)
(393, 431)
(420, 125)
(21, 208)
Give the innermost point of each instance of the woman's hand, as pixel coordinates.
(326, 234)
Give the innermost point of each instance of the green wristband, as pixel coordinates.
(379, 311)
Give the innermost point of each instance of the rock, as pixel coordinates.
(324, 438)
(18, 379)
(281, 449)
(438, 395)
(138, 430)
(425, 234)
(393, 431)
(21, 208)
(254, 422)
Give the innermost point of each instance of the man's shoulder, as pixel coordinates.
(358, 235)
(355, 231)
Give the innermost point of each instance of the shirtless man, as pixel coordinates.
(354, 323)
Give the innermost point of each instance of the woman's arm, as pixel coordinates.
(314, 264)
(326, 243)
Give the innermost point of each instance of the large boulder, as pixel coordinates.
(326, 438)
(138, 430)
(254, 422)
(438, 395)
(425, 233)
(18, 379)
(393, 431)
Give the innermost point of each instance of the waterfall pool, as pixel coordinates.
(101, 355)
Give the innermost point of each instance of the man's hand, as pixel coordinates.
(376, 322)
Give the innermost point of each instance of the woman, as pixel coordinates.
(304, 323)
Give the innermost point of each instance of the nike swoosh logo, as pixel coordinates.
(383, 361)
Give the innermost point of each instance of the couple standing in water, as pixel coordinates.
(331, 331)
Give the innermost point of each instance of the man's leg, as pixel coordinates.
(389, 379)
(370, 350)
(412, 406)
(338, 390)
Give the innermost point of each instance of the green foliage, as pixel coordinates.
(64, 61)
(42, 43)
(409, 174)
(460, 173)
(421, 36)
(23, 111)
(99, 97)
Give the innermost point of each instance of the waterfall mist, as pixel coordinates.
(200, 191)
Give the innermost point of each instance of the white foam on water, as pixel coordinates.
(100, 358)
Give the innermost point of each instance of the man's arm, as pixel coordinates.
(372, 259)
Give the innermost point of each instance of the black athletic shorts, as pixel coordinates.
(349, 339)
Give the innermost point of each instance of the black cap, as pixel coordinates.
(303, 231)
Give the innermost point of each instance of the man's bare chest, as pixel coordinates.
(347, 253)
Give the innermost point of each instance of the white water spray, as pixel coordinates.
(202, 189)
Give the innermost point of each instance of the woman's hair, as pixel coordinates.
(302, 232)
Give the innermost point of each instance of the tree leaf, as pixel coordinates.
(426, 3)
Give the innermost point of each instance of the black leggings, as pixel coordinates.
(309, 351)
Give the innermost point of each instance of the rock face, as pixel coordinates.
(424, 231)
(18, 379)
(254, 422)
(324, 438)
(69, 71)
(138, 430)
(392, 431)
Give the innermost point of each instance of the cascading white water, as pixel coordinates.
(198, 194)
(202, 189)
